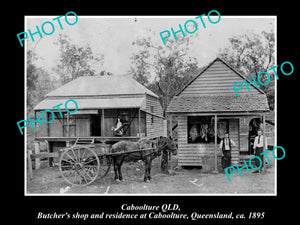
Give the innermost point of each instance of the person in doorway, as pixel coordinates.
(226, 146)
(118, 130)
(258, 149)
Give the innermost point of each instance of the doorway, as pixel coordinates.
(254, 126)
(96, 125)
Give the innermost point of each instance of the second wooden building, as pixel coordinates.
(208, 107)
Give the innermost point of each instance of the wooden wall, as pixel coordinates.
(154, 125)
(151, 126)
(244, 134)
(110, 119)
(197, 154)
(55, 129)
(234, 135)
(189, 154)
(40, 131)
(134, 128)
(217, 79)
(83, 126)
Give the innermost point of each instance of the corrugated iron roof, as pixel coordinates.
(93, 103)
(101, 85)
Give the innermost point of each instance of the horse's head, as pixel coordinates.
(168, 144)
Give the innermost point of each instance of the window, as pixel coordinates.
(201, 129)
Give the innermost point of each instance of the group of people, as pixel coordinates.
(227, 143)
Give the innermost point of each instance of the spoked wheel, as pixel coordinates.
(79, 165)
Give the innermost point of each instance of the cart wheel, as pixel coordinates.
(105, 163)
(79, 165)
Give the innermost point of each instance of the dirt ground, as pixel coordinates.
(47, 180)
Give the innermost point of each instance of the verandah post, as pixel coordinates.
(171, 126)
(139, 123)
(264, 140)
(68, 124)
(102, 122)
(68, 144)
(34, 131)
(216, 146)
(29, 164)
(37, 151)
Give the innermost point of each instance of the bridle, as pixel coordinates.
(155, 151)
(160, 148)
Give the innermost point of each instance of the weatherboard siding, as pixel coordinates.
(234, 135)
(210, 93)
(217, 80)
(189, 154)
(197, 154)
(156, 128)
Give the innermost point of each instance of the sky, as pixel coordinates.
(113, 36)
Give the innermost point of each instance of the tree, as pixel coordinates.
(75, 61)
(251, 54)
(171, 66)
(39, 82)
(31, 72)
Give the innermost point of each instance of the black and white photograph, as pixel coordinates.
(150, 105)
(125, 115)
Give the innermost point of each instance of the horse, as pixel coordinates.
(144, 149)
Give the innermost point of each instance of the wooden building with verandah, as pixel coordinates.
(101, 101)
(207, 107)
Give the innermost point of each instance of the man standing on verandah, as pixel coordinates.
(259, 148)
(226, 147)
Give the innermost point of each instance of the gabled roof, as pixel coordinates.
(213, 92)
(101, 85)
(208, 66)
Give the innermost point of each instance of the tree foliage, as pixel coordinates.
(39, 81)
(75, 61)
(31, 72)
(163, 69)
(251, 54)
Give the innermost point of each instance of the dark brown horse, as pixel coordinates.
(144, 149)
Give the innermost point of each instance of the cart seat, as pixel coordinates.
(84, 141)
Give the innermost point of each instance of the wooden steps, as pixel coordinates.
(243, 157)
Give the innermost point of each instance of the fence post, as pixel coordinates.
(29, 164)
(37, 151)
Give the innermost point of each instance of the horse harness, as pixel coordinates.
(155, 151)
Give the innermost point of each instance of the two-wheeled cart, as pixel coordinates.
(80, 165)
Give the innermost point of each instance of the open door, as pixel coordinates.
(254, 126)
(96, 125)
